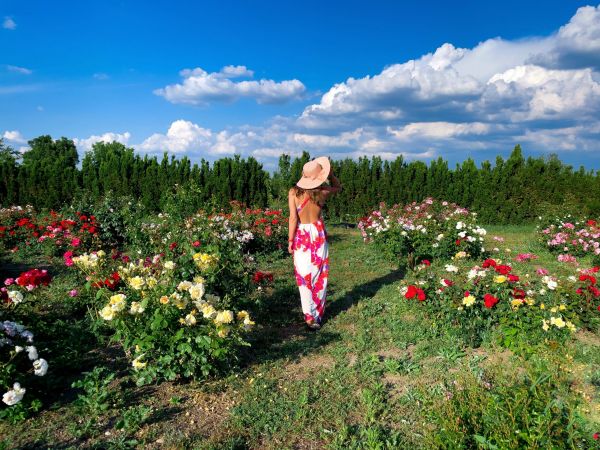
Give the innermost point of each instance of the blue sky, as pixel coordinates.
(421, 79)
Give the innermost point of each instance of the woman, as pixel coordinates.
(307, 237)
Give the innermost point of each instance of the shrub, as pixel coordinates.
(162, 317)
(528, 308)
(430, 229)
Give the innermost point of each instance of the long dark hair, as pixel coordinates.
(313, 194)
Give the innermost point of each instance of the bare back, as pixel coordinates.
(310, 211)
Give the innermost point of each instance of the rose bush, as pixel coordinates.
(20, 363)
(570, 237)
(526, 307)
(430, 229)
(161, 314)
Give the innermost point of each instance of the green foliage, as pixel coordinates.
(97, 396)
(495, 411)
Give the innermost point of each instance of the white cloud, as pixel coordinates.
(87, 143)
(577, 44)
(14, 137)
(438, 130)
(9, 24)
(201, 88)
(17, 69)
(181, 137)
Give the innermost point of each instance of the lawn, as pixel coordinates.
(379, 374)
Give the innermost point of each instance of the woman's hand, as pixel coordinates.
(290, 247)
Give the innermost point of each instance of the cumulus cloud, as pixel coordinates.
(17, 69)
(14, 137)
(182, 136)
(577, 44)
(87, 143)
(542, 92)
(201, 88)
(9, 24)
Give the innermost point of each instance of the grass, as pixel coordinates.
(378, 375)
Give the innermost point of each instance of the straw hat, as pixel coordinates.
(314, 173)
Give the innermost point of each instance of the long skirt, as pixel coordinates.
(311, 266)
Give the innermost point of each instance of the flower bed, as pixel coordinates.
(570, 238)
(25, 231)
(527, 307)
(164, 312)
(426, 230)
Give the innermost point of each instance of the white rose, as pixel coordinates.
(40, 367)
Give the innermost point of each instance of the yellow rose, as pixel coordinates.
(164, 299)
(562, 307)
(136, 308)
(571, 327)
(243, 315)
(117, 302)
(151, 282)
(190, 319)
(137, 364)
(136, 283)
(196, 291)
(224, 317)
(208, 311)
(107, 313)
(545, 326)
(178, 300)
(223, 331)
(499, 279)
(468, 300)
(515, 303)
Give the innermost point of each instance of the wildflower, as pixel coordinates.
(14, 396)
(469, 300)
(40, 367)
(136, 308)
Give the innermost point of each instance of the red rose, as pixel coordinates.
(595, 291)
(411, 292)
(596, 436)
(467, 293)
(489, 263)
(591, 222)
(489, 300)
(503, 269)
(426, 262)
(457, 242)
(519, 293)
(421, 294)
(172, 245)
(196, 244)
(448, 282)
(579, 291)
(513, 278)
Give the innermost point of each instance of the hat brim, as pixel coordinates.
(312, 183)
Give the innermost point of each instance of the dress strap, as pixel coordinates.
(303, 204)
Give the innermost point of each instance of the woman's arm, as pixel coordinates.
(335, 187)
(293, 222)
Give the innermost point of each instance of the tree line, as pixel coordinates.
(515, 190)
